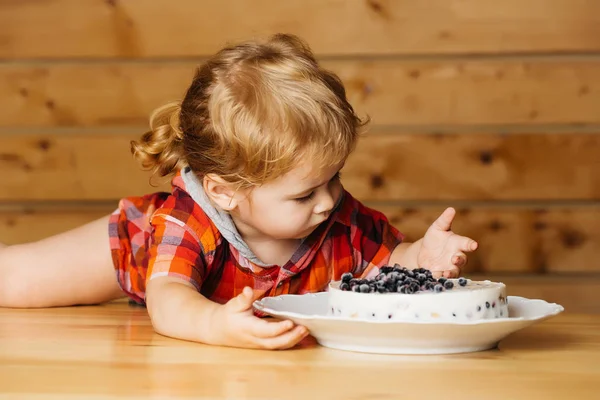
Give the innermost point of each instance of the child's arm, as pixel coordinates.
(178, 310)
(440, 250)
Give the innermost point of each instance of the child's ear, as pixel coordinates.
(220, 192)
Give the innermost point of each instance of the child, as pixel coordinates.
(256, 209)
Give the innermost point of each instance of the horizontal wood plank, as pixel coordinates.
(384, 167)
(515, 239)
(70, 167)
(511, 239)
(391, 92)
(75, 28)
(579, 294)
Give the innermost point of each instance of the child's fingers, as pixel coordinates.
(452, 273)
(285, 341)
(444, 221)
(464, 243)
(268, 329)
(243, 301)
(459, 259)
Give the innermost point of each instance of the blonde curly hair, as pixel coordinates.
(251, 114)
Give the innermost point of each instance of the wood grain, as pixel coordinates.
(69, 166)
(391, 91)
(385, 167)
(511, 239)
(117, 28)
(111, 352)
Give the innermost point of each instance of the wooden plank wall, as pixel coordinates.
(492, 107)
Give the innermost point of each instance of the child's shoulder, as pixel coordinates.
(181, 209)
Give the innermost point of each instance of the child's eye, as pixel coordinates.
(305, 198)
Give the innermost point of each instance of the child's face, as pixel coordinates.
(292, 206)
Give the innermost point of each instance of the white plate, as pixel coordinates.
(397, 337)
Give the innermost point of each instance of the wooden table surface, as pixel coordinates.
(111, 351)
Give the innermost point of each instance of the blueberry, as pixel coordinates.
(438, 288)
(442, 280)
(462, 281)
(364, 288)
(421, 277)
(478, 308)
(487, 304)
(346, 277)
(382, 289)
(344, 286)
(414, 287)
(386, 269)
(356, 288)
(448, 284)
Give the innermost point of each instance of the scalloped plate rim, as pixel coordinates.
(261, 305)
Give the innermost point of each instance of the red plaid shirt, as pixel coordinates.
(164, 234)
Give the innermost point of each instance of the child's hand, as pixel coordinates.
(442, 251)
(235, 325)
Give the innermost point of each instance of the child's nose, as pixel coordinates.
(325, 204)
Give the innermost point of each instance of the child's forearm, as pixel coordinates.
(179, 311)
(406, 254)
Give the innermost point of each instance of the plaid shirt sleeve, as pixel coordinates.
(372, 237)
(175, 247)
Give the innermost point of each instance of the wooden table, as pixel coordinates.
(111, 351)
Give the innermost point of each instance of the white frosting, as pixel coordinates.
(475, 301)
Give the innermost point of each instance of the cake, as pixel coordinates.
(400, 294)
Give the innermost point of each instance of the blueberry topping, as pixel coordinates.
(487, 304)
(398, 279)
(478, 308)
(386, 270)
